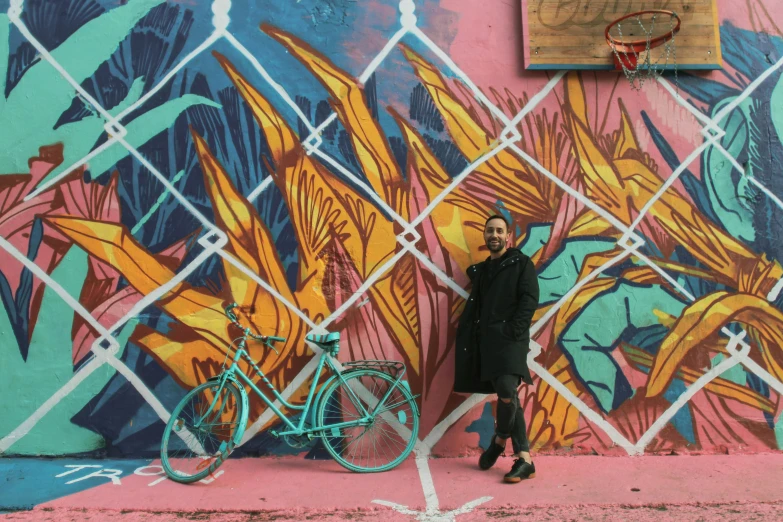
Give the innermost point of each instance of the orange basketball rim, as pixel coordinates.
(627, 52)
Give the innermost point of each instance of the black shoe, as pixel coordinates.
(490, 455)
(520, 470)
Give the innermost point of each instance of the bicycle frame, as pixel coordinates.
(295, 429)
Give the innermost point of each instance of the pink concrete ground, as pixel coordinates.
(726, 487)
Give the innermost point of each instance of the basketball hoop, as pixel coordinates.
(633, 56)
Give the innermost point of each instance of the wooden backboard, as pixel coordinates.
(569, 34)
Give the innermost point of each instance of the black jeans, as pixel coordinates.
(510, 419)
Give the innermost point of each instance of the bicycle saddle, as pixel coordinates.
(324, 340)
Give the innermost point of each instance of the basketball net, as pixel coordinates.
(634, 56)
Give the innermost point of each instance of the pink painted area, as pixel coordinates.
(267, 484)
(675, 513)
(562, 481)
(707, 487)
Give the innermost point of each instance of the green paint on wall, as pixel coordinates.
(27, 122)
(48, 368)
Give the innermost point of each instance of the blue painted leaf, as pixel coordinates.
(424, 111)
(53, 21)
(695, 189)
(749, 52)
(371, 93)
(25, 291)
(145, 127)
(448, 154)
(705, 90)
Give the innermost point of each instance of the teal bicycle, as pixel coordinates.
(365, 415)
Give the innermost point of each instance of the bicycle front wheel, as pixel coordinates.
(202, 431)
(377, 437)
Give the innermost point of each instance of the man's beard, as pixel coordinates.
(497, 247)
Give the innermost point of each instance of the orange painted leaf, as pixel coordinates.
(590, 223)
(729, 259)
(113, 244)
(705, 318)
(503, 176)
(554, 420)
(719, 386)
(350, 104)
(319, 204)
(455, 218)
(251, 242)
(603, 183)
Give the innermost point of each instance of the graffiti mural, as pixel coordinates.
(329, 166)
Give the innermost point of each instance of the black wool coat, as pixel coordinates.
(493, 336)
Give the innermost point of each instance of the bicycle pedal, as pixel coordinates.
(274, 433)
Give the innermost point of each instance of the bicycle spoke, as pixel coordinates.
(391, 433)
(214, 409)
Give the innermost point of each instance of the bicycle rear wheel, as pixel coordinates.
(385, 440)
(203, 430)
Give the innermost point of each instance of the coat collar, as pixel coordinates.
(511, 257)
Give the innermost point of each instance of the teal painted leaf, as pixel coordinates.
(49, 366)
(592, 335)
(776, 108)
(82, 135)
(726, 187)
(145, 127)
(27, 121)
(558, 276)
(537, 236)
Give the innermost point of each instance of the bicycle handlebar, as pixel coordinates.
(266, 339)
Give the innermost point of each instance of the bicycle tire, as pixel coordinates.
(405, 420)
(218, 449)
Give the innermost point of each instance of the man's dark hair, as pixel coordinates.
(497, 216)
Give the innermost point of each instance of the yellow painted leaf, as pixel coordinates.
(705, 318)
(575, 97)
(193, 361)
(553, 413)
(319, 204)
(394, 296)
(590, 223)
(719, 386)
(503, 176)
(114, 245)
(603, 183)
(594, 261)
(729, 259)
(189, 361)
(456, 216)
(643, 275)
(626, 139)
(252, 244)
(765, 330)
(350, 104)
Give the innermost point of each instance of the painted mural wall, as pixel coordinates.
(329, 165)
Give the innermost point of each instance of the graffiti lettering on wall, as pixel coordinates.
(267, 167)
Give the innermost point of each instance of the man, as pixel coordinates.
(493, 341)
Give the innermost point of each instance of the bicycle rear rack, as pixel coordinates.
(394, 368)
